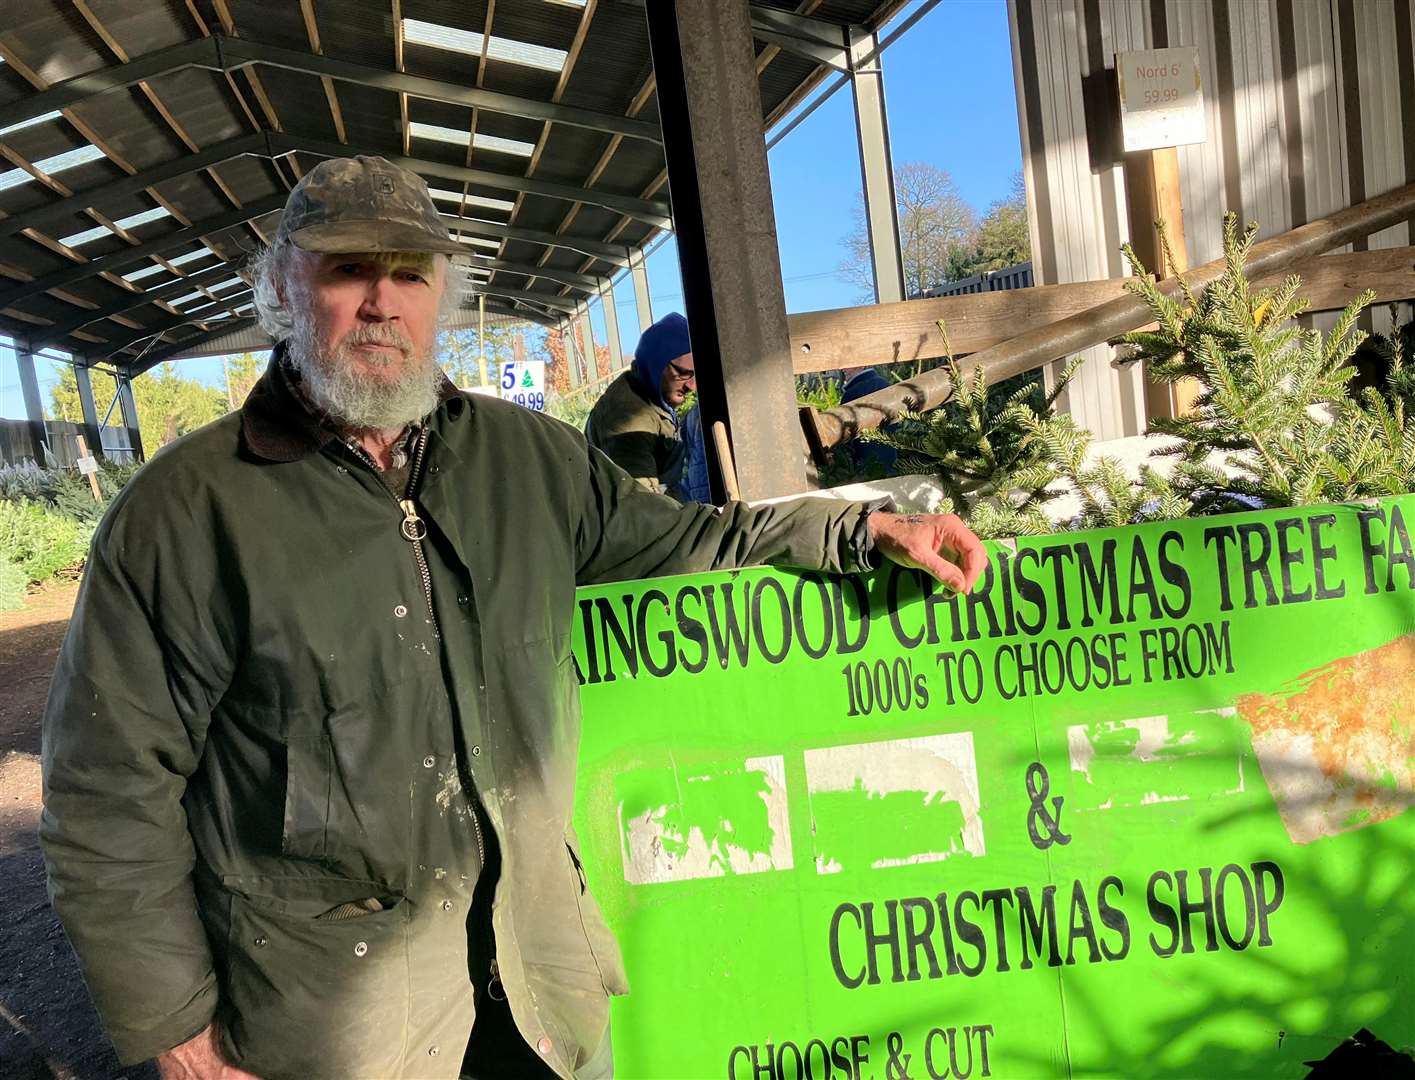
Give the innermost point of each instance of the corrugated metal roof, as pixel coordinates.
(175, 113)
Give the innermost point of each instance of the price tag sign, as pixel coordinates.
(523, 382)
(1161, 101)
(87, 465)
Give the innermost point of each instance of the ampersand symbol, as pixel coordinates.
(1038, 784)
(897, 1067)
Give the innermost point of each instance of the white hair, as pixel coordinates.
(270, 265)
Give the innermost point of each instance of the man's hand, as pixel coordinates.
(199, 1058)
(939, 544)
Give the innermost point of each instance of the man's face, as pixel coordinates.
(365, 331)
(678, 378)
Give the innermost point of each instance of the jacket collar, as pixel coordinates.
(279, 424)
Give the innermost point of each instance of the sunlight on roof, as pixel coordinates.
(226, 284)
(146, 271)
(480, 241)
(472, 200)
(417, 32)
(50, 165)
(481, 142)
(189, 256)
(31, 122)
(187, 299)
(130, 222)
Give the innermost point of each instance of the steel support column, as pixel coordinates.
(34, 406)
(611, 324)
(93, 434)
(130, 415)
(710, 107)
(876, 165)
(640, 275)
(586, 328)
(572, 352)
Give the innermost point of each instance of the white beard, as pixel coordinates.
(352, 401)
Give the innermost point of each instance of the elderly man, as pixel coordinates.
(309, 755)
(635, 421)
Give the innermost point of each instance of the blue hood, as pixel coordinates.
(665, 340)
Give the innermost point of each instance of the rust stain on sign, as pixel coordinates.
(1335, 745)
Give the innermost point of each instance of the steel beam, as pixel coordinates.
(158, 356)
(271, 144)
(710, 107)
(519, 313)
(175, 322)
(876, 166)
(128, 256)
(563, 277)
(586, 329)
(242, 52)
(39, 216)
(801, 35)
(654, 212)
(34, 406)
(611, 324)
(494, 230)
(572, 353)
(640, 275)
(226, 54)
(555, 303)
(129, 407)
(167, 291)
(93, 434)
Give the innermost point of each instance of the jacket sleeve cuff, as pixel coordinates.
(860, 555)
(136, 1046)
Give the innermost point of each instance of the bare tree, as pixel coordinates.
(936, 225)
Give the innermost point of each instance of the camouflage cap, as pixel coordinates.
(364, 204)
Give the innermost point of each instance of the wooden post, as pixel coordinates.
(92, 473)
(1155, 203)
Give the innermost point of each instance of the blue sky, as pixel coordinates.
(949, 94)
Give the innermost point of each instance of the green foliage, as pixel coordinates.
(1274, 407)
(47, 517)
(41, 541)
(1000, 453)
(1003, 238)
(573, 409)
(13, 585)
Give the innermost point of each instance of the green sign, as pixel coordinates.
(1138, 806)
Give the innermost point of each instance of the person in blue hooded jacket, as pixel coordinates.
(635, 422)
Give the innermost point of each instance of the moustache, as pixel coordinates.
(377, 335)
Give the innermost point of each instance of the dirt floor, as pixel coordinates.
(48, 1027)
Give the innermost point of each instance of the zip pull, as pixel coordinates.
(413, 527)
(494, 989)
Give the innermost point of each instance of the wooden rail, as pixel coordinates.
(1043, 344)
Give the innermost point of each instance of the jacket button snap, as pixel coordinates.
(447, 905)
(476, 751)
(260, 942)
(400, 611)
(429, 762)
(432, 1051)
(543, 1046)
(463, 599)
(361, 949)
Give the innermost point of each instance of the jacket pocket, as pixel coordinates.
(313, 997)
(309, 777)
(598, 937)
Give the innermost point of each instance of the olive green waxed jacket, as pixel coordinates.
(638, 435)
(271, 703)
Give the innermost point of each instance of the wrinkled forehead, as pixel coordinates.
(422, 261)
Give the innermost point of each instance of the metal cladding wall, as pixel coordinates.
(1310, 106)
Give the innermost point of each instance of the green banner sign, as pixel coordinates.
(1139, 806)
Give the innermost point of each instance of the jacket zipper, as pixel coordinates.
(414, 529)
